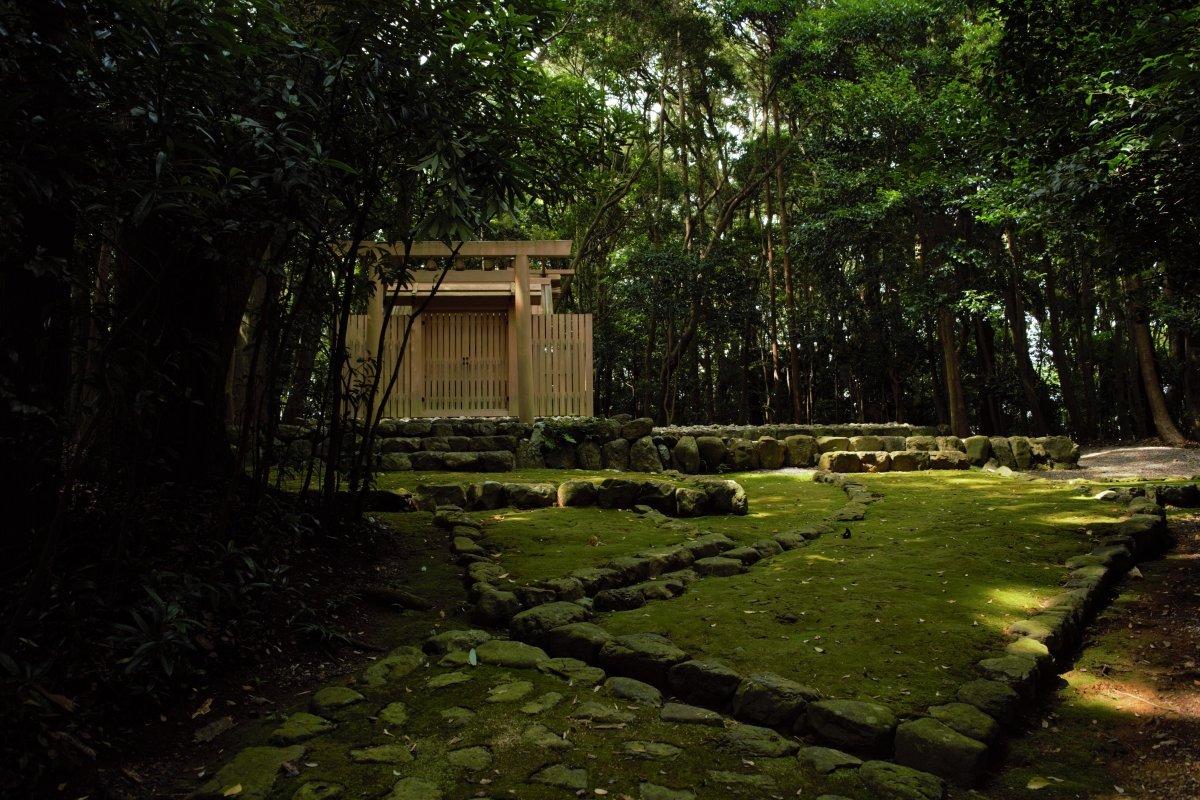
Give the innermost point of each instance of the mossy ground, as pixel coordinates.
(596, 748)
(901, 610)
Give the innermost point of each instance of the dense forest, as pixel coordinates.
(980, 214)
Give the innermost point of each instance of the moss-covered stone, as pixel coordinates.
(890, 781)
(319, 790)
(472, 759)
(825, 760)
(300, 727)
(331, 698)
(854, 725)
(634, 691)
(967, 720)
(251, 774)
(396, 665)
(414, 789)
(562, 776)
(997, 700)
(394, 714)
(682, 714)
(755, 741)
(932, 746)
(507, 653)
(509, 692)
(650, 751)
(382, 754)
(769, 699)
(653, 791)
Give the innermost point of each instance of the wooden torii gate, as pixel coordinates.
(537, 339)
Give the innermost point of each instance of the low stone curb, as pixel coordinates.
(697, 497)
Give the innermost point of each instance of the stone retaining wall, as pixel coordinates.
(635, 445)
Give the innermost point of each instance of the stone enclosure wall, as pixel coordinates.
(626, 444)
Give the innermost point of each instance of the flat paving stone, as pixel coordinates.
(741, 780)
(509, 692)
(634, 690)
(825, 760)
(650, 751)
(543, 737)
(457, 717)
(690, 715)
(414, 789)
(562, 776)
(254, 770)
(542, 703)
(652, 791)
(332, 698)
(572, 670)
(319, 790)
(507, 653)
(601, 713)
(394, 714)
(447, 679)
(382, 754)
(300, 727)
(756, 741)
(473, 759)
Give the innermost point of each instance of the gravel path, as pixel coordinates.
(1109, 463)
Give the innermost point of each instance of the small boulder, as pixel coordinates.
(685, 455)
(772, 453)
(802, 450)
(888, 781)
(765, 698)
(855, 725)
(533, 624)
(704, 682)
(643, 456)
(633, 690)
(576, 494)
(645, 656)
(682, 714)
(712, 452)
(932, 746)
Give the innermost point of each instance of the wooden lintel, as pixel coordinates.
(547, 248)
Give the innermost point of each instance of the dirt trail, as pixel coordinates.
(1110, 463)
(1127, 721)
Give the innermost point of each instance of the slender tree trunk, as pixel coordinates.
(1148, 368)
(1014, 314)
(1058, 348)
(789, 293)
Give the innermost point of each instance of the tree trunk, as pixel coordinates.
(1143, 344)
(1014, 314)
(789, 293)
(1058, 349)
(955, 399)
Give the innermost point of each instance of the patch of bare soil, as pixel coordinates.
(1127, 724)
(1160, 689)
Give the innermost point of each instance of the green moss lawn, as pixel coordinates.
(902, 609)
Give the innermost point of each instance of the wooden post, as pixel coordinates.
(374, 326)
(524, 339)
(547, 299)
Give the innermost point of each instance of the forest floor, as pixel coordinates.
(897, 612)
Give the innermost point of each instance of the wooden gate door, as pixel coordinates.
(466, 364)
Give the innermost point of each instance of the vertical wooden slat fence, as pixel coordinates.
(562, 365)
(458, 364)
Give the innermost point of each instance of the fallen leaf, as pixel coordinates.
(204, 708)
(232, 791)
(1037, 783)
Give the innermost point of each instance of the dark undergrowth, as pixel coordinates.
(149, 599)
